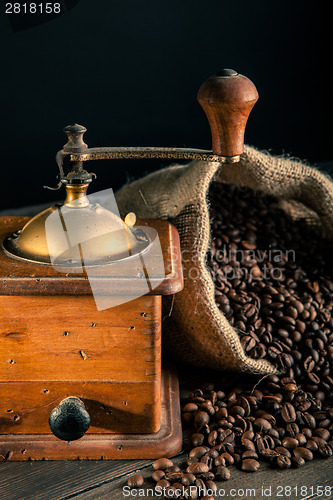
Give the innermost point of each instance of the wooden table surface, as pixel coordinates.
(104, 480)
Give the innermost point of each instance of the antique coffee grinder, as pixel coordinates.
(80, 300)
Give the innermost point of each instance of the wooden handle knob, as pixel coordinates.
(227, 99)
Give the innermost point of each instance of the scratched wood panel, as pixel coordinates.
(113, 407)
(67, 339)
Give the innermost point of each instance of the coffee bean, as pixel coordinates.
(162, 463)
(250, 465)
(283, 451)
(290, 443)
(283, 462)
(188, 479)
(163, 483)
(201, 418)
(323, 433)
(262, 424)
(135, 481)
(172, 477)
(198, 452)
(303, 452)
(190, 407)
(324, 450)
(222, 473)
(197, 439)
(197, 468)
(297, 461)
(158, 475)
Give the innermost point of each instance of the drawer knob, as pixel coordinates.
(69, 420)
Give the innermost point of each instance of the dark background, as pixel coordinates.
(129, 71)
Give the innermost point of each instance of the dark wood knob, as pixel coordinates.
(69, 420)
(227, 99)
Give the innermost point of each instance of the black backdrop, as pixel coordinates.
(129, 71)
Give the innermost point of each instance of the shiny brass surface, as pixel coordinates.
(103, 235)
(76, 195)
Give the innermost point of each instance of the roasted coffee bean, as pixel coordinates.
(158, 475)
(201, 418)
(290, 443)
(206, 459)
(198, 452)
(297, 461)
(200, 484)
(222, 473)
(212, 438)
(172, 477)
(262, 424)
(163, 483)
(192, 460)
(228, 458)
(197, 439)
(219, 461)
(188, 479)
(135, 481)
(270, 455)
(190, 407)
(283, 451)
(292, 429)
(324, 450)
(249, 454)
(162, 463)
(323, 433)
(303, 452)
(197, 468)
(288, 413)
(211, 485)
(283, 462)
(250, 465)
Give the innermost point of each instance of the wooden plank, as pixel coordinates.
(115, 408)
(26, 278)
(167, 441)
(68, 339)
(59, 480)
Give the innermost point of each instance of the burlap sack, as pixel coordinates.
(194, 329)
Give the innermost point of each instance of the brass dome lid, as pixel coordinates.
(77, 233)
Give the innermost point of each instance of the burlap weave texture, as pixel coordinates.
(196, 331)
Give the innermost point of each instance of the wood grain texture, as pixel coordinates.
(66, 339)
(227, 101)
(53, 347)
(24, 278)
(114, 408)
(166, 442)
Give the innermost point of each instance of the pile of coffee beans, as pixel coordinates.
(273, 282)
(170, 482)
